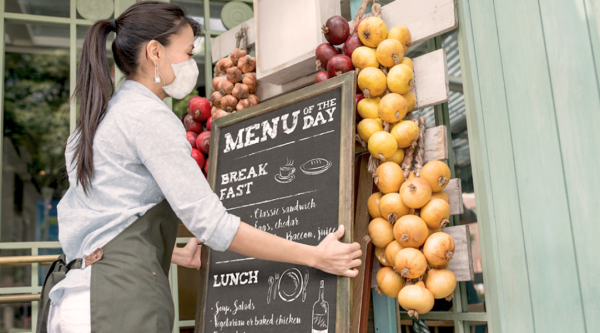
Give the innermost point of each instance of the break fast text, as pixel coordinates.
(238, 176)
(266, 130)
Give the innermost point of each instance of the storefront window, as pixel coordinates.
(36, 126)
(58, 8)
(195, 9)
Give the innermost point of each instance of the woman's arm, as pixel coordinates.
(189, 255)
(331, 255)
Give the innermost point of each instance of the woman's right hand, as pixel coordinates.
(335, 257)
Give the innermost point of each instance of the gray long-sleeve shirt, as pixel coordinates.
(141, 156)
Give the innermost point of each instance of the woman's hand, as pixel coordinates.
(189, 255)
(335, 257)
(331, 255)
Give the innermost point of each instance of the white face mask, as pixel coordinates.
(186, 76)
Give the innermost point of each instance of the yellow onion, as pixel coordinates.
(391, 251)
(388, 177)
(408, 62)
(392, 108)
(381, 232)
(402, 35)
(391, 207)
(436, 213)
(397, 158)
(389, 282)
(410, 263)
(382, 145)
(380, 255)
(444, 266)
(405, 132)
(440, 195)
(372, 82)
(373, 204)
(441, 283)
(416, 299)
(410, 231)
(400, 79)
(363, 57)
(415, 192)
(411, 100)
(372, 31)
(439, 248)
(369, 108)
(437, 175)
(367, 127)
(390, 52)
(433, 231)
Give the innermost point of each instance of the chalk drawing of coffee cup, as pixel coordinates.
(286, 173)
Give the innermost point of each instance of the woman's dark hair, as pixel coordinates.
(139, 24)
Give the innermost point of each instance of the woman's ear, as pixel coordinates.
(152, 51)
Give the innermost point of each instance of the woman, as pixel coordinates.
(125, 162)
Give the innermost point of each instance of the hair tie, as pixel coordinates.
(113, 25)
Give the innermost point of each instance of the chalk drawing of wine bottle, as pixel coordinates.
(320, 315)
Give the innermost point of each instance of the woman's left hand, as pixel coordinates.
(189, 255)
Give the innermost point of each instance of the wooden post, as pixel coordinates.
(361, 285)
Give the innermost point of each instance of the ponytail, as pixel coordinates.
(94, 87)
(139, 24)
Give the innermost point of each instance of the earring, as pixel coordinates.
(156, 73)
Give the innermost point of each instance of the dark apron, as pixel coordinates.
(129, 289)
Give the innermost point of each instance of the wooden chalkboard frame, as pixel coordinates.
(347, 83)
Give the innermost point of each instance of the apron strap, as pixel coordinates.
(56, 273)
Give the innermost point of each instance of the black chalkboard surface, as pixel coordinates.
(284, 166)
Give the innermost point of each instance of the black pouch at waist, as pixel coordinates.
(55, 274)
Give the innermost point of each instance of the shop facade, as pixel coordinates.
(524, 90)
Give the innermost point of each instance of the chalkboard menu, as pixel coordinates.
(285, 167)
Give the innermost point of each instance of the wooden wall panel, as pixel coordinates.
(527, 133)
(545, 215)
(576, 100)
(501, 171)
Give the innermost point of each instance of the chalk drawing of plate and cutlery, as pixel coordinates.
(311, 167)
(288, 286)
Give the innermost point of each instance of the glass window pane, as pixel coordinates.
(478, 327)
(15, 276)
(16, 317)
(36, 126)
(431, 326)
(59, 8)
(36, 38)
(195, 9)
